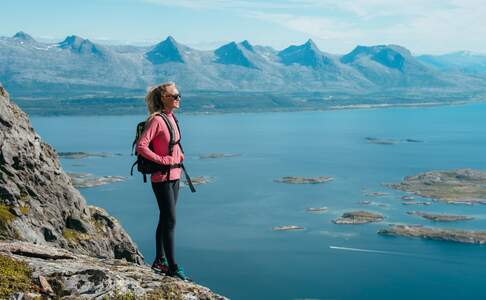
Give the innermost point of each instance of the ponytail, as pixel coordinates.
(153, 100)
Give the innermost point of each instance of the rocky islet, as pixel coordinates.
(441, 234)
(81, 155)
(358, 217)
(457, 186)
(304, 180)
(440, 217)
(288, 228)
(87, 180)
(317, 210)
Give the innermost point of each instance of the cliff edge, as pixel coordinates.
(68, 248)
(38, 202)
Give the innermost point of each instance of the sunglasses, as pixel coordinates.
(174, 97)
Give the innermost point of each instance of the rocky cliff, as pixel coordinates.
(43, 215)
(38, 202)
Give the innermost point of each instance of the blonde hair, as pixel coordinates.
(154, 98)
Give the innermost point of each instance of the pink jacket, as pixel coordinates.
(157, 132)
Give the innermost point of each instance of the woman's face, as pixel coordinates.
(170, 99)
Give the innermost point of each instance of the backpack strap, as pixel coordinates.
(171, 131)
(134, 164)
(138, 133)
(172, 137)
(178, 130)
(133, 145)
(188, 179)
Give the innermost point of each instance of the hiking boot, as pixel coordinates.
(161, 266)
(178, 272)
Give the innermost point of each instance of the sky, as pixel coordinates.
(337, 26)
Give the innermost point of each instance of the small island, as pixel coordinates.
(414, 141)
(376, 194)
(316, 209)
(440, 217)
(367, 202)
(80, 155)
(416, 203)
(218, 155)
(87, 180)
(287, 228)
(359, 217)
(197, 180)
(452, 235)
(304, 180)
(459, 186)
(373, 140)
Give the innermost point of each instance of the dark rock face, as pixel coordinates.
(166, 51)
(391, 64)
(38, 202)
(82, 46)
(307, 55)
(234, 54)
(391, 56)
(247, 45)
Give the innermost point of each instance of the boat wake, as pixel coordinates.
(371, 251)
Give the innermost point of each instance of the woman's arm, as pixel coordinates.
(144, 141)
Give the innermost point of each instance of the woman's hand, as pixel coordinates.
(182, 157)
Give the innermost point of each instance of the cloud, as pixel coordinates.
(320, 27)
(225, 4)
(359, 8)
(426, 26)
(433, 26)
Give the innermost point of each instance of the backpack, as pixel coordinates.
(146, 166)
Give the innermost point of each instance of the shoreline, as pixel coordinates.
(362, 106)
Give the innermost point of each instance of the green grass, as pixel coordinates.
(24, 210)
(5, 218)
(74, 236)
(15, 276)
(165, 292)
(119, 296)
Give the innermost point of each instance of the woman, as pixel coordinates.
(165, 184)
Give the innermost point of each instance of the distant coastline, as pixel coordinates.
(406, 105)
(135, 105)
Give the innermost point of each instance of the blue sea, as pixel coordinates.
(224, 236)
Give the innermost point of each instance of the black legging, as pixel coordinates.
(166, 193)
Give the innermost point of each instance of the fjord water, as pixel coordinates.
(224, 236)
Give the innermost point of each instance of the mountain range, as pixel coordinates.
(27, 64)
